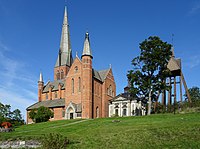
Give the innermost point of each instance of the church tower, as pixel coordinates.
(87, 79)
(40, 87)
(64, 60)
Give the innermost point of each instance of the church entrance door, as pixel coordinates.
(71, 115)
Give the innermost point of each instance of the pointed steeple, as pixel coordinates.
(173, 55)
(65, 53)
(41, 77)
(86, 49)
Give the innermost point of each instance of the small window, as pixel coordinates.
(79, 84)
(72, 85)
(58, 76)
(62, 74)
(53, 112)
(110, 90)
(63, 113)
(56, 95)
(76, 69)
(79, 114)
(116, 112)
(47, 96)
(97, 112)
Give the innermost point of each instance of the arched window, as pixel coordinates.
(79, 84)
(62, 74)
(76, 69)
(58, 75)
(72, 85)
(97, 112)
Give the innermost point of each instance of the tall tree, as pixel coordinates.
(149, 71)
(194, 94)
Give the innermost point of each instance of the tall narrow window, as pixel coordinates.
(62, 74)
(124, 112)
(79, 84)
(58, 75)
(56, 95)
(116, 112)
(47, 96)
(110, 90)
(72, 85)
(97, 112)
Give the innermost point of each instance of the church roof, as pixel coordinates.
(48, 103)
(54, 85)
(65, 52)
(100, 75)
(104, 73)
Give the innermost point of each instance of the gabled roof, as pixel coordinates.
(48, 103)
(54, 85)
(174, 64)
(100, 75)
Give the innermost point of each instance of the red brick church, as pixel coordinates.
(78, 90)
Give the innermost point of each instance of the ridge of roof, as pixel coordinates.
(48, 103)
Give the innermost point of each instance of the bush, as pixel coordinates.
(54, 141)
(42, 114)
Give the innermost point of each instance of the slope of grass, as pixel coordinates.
(155, 131)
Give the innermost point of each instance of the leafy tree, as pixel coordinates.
(42, 114)
(13, 117)
(16, 115)
(150, 70)
(194, 95)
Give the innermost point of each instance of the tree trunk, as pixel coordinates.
(149, 104)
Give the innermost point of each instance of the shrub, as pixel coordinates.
(54, 141)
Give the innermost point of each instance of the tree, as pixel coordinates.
(42, 114)
(194, 95)
(16, 115)
(150, 70)
(13, 117)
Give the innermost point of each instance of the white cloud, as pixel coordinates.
(195, 9)
(17, 86)
(193, 61)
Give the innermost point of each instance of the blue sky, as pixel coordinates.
(30, 33)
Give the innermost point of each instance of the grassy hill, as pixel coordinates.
(155, 131)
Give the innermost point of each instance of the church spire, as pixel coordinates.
(41, 77)
(86, 49)
(173, 55)
(65, 55)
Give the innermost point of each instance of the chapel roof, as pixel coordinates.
(48, 103)
(54, 85)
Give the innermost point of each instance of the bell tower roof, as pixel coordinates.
(86, 49)
(41, 77)
(65, 52)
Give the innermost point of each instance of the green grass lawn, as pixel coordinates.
(155, 131)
